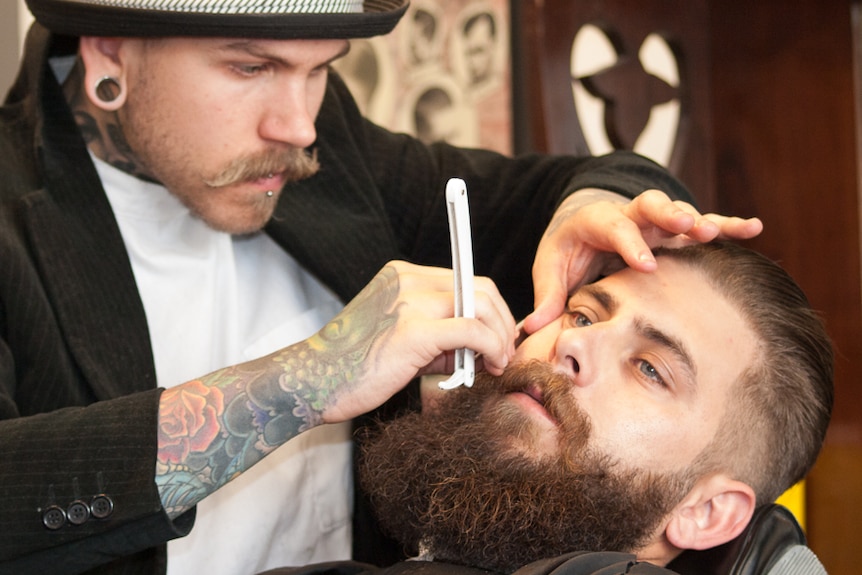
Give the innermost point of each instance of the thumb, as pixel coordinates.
(550, 301)
(550, 284)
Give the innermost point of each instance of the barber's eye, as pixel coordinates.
(250, 69)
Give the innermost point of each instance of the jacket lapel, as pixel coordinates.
(80, 252)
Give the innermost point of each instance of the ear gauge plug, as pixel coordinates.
(107, 89)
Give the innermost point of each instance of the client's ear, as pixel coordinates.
(714, 512)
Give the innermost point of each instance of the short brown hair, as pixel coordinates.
(776, 419)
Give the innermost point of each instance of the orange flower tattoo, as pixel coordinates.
(188, 420)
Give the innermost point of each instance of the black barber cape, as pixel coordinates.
(577, 563)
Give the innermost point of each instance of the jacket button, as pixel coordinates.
(54, 517)
(101, 506)
(78, 513)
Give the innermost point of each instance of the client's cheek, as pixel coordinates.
(538, 345)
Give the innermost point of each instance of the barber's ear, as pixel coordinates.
(714, 512)
(104, 72)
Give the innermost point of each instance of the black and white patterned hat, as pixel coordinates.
(275, 19)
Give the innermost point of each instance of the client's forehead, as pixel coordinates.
(674, 307)
(677, 298)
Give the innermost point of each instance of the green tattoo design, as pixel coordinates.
(215, 428)
(336, 357)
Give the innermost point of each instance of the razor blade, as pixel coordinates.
(462, 267)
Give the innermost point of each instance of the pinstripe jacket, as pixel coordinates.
(78, 401)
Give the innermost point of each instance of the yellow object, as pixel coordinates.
(794, 500)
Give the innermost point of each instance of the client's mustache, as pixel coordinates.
(294, 163)
(554, 391)
(539, 378)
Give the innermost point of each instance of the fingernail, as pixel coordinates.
(645, 257)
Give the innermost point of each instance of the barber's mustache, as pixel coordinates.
(293, 163)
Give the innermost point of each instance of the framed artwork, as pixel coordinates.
(443, 74)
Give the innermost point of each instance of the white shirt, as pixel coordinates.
(214, 300)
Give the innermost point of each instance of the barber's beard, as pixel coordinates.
(296, 164)
(462, 482)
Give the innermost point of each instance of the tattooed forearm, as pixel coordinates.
(213, 429)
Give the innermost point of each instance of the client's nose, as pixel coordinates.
(573, 354)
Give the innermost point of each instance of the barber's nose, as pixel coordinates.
(289, 120)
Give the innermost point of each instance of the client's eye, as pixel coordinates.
(651, 373)
(579, 319)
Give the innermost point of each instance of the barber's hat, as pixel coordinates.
(270, 19)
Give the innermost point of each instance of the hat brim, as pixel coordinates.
(86, 19)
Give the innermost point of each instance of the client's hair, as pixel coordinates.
(776, 419)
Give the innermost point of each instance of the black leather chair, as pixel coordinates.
(772, 544)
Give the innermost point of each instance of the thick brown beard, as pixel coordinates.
(459, 481)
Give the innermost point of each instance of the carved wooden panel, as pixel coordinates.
(597, 79)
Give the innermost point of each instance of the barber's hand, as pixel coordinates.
(593, 228)
(400, 326)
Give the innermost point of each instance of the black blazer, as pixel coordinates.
(78, 398)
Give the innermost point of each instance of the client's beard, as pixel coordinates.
(462, 482)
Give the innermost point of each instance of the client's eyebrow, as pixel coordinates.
(603, 297)
(670, 343)
(610, 304)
